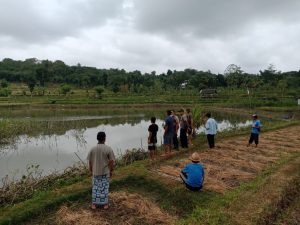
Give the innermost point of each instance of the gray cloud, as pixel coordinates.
(154, 35)
(40, 20)
(210, 18)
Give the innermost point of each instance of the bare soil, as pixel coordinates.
(232, 162)
(125, 209)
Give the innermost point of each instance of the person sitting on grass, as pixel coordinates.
(192, 174)
(101, 161)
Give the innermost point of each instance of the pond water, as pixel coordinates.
(55, 151)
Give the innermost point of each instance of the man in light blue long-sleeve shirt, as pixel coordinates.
(211, 128)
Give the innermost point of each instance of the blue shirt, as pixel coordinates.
(255, 127)
(195, 174)
(170, 123)
(211, 126)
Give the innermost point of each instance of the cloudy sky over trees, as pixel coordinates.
(155, 35)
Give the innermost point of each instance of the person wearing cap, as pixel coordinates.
(192, 174)
(211, 128)
(255, 130)
(101, 162)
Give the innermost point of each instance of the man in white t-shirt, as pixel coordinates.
(211, 128)
(101, 161)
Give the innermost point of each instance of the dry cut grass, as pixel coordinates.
(125, 209)
(232, 163)
(274, 196)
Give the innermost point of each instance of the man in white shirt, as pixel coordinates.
(211, 128)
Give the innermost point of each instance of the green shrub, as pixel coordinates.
(5, 92)
(65, 89)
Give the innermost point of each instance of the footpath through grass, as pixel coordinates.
(206, 207)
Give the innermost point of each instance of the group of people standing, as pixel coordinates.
(101, 158)
(174, 122)
(182, 122)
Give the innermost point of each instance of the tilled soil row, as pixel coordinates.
(232, 162)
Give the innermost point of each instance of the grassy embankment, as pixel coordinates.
(190, 208)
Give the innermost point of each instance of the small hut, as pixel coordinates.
(208, 93)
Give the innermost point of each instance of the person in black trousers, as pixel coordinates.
(211, 128)
(183, 129)
(176, 127)
(255, 130)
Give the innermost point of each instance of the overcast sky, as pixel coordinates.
(154, 35)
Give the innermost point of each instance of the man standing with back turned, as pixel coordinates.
(176, 127)
(169, 132)
(211, 128)
(101, 161)
(183, 129)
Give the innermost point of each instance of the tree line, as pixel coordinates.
(36, 72)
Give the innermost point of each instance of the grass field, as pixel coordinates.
(233, 97)
(243, 186)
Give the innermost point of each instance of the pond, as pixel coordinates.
(53, 143)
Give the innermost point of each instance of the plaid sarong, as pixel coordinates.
(100, 190)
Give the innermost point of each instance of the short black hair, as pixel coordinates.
(101, 136)
(169, 112)
(153, 119)
(208, 115)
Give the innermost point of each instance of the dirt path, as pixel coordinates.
(232, 162)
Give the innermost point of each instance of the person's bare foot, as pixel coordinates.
(106, 207)
(93, 207)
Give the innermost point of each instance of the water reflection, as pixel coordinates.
(53, 149)
(225, 125)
